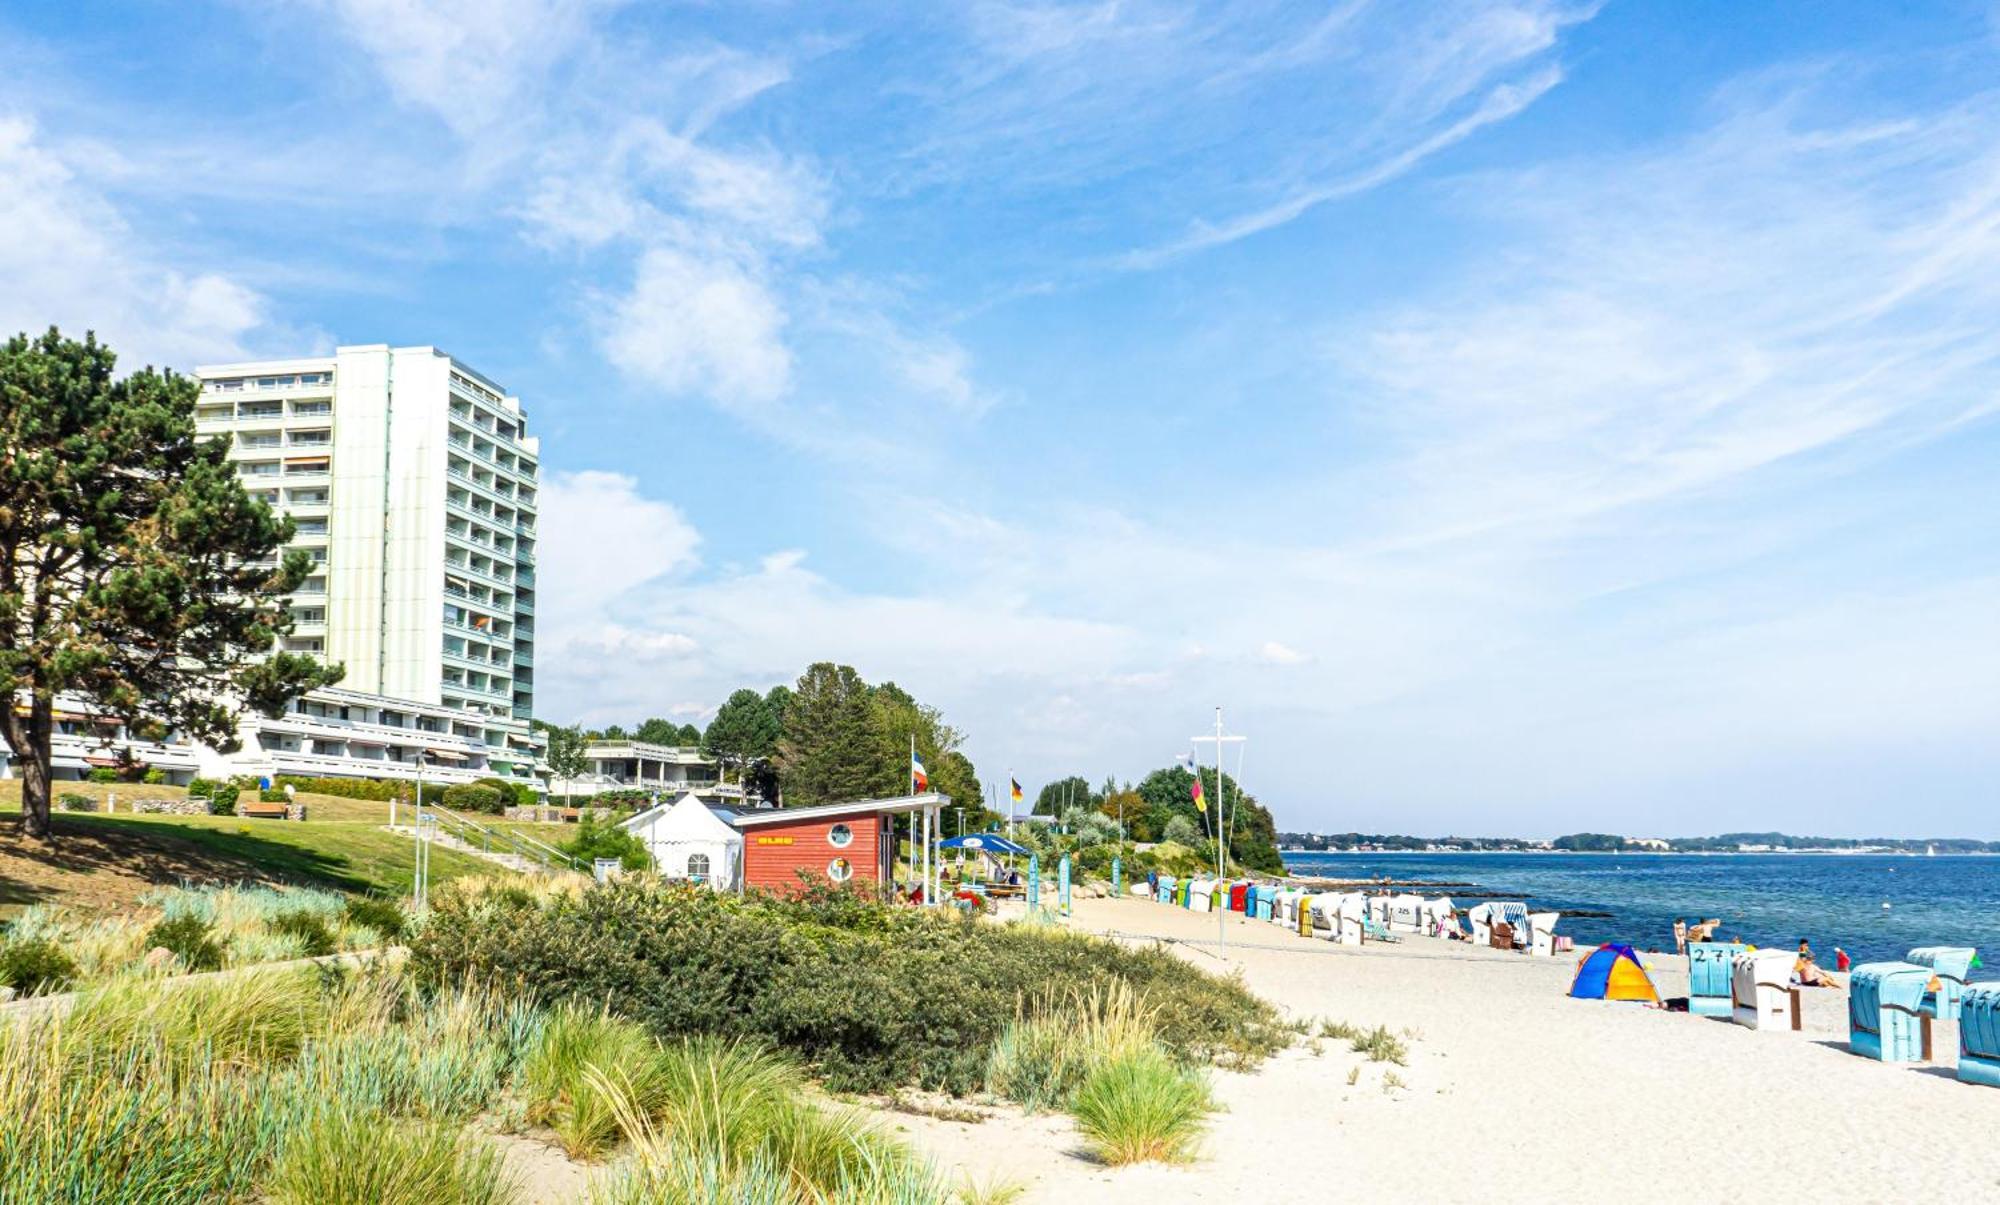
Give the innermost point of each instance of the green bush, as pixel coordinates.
(606, 840)
(189, 938)
(512, 794)
(154, 777)
(385, 916)
(1142, 1106)
(102, 774)
(35, 966)
(868, 996)
(72, 801)
(201, 788)
(471, 797)
(314, 935)
(222, 800)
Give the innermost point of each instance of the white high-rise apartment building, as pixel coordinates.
(413, 482)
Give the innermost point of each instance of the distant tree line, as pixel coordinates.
(1736, 842)
(1342, 841)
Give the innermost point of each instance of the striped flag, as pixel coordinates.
(1016, 785)
(919, 781)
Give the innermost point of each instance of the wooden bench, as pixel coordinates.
(262, 811)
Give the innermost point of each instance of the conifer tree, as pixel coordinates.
(134, 569)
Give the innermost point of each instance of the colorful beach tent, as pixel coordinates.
(1613, 973)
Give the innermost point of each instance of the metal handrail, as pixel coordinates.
(526, 847)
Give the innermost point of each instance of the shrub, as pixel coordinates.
(607, 840)
(201, 788)
(34, 966)
(71, 801)
(385, 916)
(314, 935)
(101, 774)
(154, 777)
(222, 800)
(1181, 831)
(868, 996)
(380, 790)
(471, 797)
(512, 794)
(1381, 1046)
(1142, 1106)
(340, 1157)
(191, 940)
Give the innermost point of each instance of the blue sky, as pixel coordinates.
(1522, 417)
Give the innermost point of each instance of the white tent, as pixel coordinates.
(688, 840)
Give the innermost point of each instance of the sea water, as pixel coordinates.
(1764, 899)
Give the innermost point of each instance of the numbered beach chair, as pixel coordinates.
(1760, 985)
(1710, 964)
(1885, 1015)
(1405, 914)
(1979, 1035)
(1950, 966)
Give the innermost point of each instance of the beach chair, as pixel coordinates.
(1541, 936)
(1350, 915)
(1710, 964)
(1405, 914)
(1979, 1035)
(1484, 916)
(1760, 989)
(1267, 897)
(1885, 1016)
(1302, 914)
(1201, 896)
(1438, 918)
(1239, 897)
(1949, 967)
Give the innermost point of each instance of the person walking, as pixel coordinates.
(1680, 936)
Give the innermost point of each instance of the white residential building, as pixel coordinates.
(413, 483)
(671, 771)
(327, 734)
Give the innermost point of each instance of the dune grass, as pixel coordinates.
(584, 1066)
(1381, 1046)
(281, 1084)
(339, 1156)
(1044, 1056)
(1142, 1106)
(735, 1123)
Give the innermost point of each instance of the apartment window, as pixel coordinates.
(301, 468)
(307, 497)
(304, 644)
(258, 468)
(313, 585)
(223, 385)
(268, 440)
(319, 437)
(215, 414)
(260, 410)
(309, 615)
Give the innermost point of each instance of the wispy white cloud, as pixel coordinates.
(70, 257)
(695, 325)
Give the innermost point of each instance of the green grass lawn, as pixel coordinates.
(352, 856)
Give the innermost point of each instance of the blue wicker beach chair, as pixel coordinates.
(1710, 964)
(1950, 965)
(1267, 899)
(1885, 1018)
(1979, 1035)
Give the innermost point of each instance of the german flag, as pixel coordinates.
(1016, 784)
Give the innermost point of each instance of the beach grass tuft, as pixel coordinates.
(1142, 1106)
(586, 1067)
(1044, 1056)
(1381, 1045)
(338, 1156)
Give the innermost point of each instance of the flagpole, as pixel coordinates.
(1217, 828)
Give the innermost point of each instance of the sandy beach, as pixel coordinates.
(1514, 1092)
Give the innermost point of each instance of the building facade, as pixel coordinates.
(414, 486)
(670, 770)
(326, 734)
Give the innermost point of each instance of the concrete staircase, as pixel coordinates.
(444, 840)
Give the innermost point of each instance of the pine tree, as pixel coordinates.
(832, 749)
(134, 569)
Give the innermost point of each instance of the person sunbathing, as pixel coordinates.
(1807, 973)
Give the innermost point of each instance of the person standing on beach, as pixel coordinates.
(1680, 936)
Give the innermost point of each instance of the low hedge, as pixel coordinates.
(871, 996)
